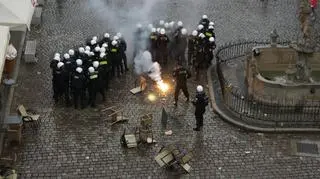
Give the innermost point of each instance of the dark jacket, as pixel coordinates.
(192, 44)
(163, 41)
(78, 81)
(200, 102)
(181, 74)
(205, 23)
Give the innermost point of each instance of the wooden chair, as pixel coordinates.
(28, 118)
(116, 114)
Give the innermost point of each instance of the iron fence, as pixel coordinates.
(275, 112)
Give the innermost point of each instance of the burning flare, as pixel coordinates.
(164, 87)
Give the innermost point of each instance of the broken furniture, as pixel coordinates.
(30, 51)
(144, 131)
(141, 87)
(116, 114)
(173, 157)
(128, 140)
(28, 118)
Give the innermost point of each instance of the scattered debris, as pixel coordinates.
(38, 73)
(247, 152)
(25, 116)
(169, 132)
(142, 87)
(116, 114)
(87, 157)
(171, 156)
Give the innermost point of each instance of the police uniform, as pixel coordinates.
(205, 23)
(59, 82)
(200, 103)
(152, 46)
(103, 70)
(78, 88)
(181, 45)
(192, 49)
(200, 60)
(181, 74)
(123, 48)
(93, 87)
(162, 46)
(115, 57)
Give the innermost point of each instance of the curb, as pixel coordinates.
(238, 122)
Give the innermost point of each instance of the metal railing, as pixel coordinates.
(275, 112)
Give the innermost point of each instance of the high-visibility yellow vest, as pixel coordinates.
(114, 50)
(103, 62)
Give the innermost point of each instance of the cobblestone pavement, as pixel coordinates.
(72, 143)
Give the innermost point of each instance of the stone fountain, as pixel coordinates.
(286, 71)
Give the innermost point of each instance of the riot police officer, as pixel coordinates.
(181, 46)
(204, 21)
(152, 44)
(115, 57)
(106, 39)
(123, 49)
(104, 69)
(210, 33)
(200, 103)
(181, 74)
(59, 81)
(210, 46)
(162, 46)
(93, 86)
(200, 59)
(192, 47)
(78, 87)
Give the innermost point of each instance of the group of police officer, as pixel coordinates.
(170, 41)
(88, 70)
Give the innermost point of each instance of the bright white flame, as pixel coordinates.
(164, 87)
(152, 97)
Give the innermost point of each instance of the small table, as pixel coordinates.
(14, 128)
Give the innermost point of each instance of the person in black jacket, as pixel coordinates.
(204, 21)
(59, 81)
(181, 46)
(181, 74)
(78, 87)
(200, 103)
(123, 49)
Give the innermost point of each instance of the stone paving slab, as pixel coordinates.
(81, 144)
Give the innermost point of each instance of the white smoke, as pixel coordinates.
(143, 64)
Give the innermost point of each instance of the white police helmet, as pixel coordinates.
(161, 22)
(60, 64)
(106, 35)
(102, 54)
(79, 62)
(91, 53)
(180, 24)
(88, 48)
(91, 69)
(139, 26)
(95, 64)
(57, 58)
(199, 88)
(92, 42)
(95, 38)
(211, 39)
(204, 17)
(71, 52)
(153, 30)
(119, 35)
(102, 49)
(66, 56)
(158, 30)
(194, 33)
(200, 27)
(183, 31)
(104, 45)
(97, 49)
(211, 23)
(210, 27)
(162, 31)
(166, 25)
(87, 52)
(115, 38)
(81, 49)
(79, 69)
(202, 35)
(57, 54)
(114, 42)
(171, 24)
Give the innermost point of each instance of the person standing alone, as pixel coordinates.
(200, 103)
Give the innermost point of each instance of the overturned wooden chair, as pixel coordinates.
(28, 118)
(116, 114)
(171, 156)
(128, 140)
